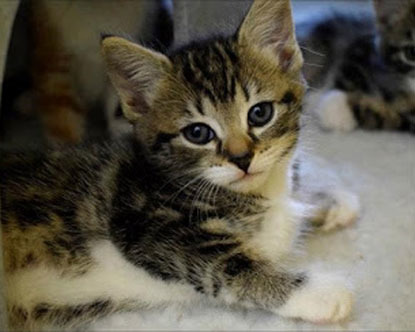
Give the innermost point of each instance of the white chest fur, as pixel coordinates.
(280, 230)
(281, 224)
(111, 278)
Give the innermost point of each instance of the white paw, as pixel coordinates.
(343, 212)
(323, 299)
(334, 113)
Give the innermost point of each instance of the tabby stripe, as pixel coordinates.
(217, 285)
(231, 54)
(245, 91)
(231, 62)
(288, 149)
(64, 314)
(203, 68)
(216, 248)
(199, 107)
(161, 139)
(233, 87)
(189, 75)
(225, 68)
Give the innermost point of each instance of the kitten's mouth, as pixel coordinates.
(247, 177)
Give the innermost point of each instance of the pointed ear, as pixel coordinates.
(389, 12)
(135, 73)
(269, 26)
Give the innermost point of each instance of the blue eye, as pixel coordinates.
(260, 114)
(198, 133)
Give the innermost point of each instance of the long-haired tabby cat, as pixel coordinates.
(197, 203)
(363, 68)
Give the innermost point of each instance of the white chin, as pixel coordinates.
(248, 183)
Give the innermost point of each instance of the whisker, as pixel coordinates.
(313, 65)
(312, 51)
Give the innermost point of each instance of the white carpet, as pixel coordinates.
(377, 254)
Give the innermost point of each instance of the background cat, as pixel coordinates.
(361, 69)
(66, 84)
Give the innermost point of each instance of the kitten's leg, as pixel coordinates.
(51, 316)
(312, 297)
(334, 112)
(331, 206)
(46, 316)
(333, 209)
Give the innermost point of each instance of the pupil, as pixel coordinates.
(259, 112)
(197, 132)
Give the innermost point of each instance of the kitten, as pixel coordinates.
(363, 69)
(68, 75)
(197, 203)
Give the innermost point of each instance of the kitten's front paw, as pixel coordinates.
(334, 113)
(323, 299)
(343, 211)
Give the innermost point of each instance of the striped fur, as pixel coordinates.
(154, 219)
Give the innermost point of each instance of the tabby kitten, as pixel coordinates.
(363, 69)
(197, 203)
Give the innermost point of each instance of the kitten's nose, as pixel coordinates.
(242, 160)
(238, 150)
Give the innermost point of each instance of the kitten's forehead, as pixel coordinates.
(220, 80)
(211, 69)
(225, 74)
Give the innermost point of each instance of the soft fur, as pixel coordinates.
(154, 218)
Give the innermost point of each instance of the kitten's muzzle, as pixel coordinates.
(243, 161)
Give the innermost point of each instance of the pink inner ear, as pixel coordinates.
(138, 104)
(286, 56)
(285, 51)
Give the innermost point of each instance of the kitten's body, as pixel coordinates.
(84, 239)
(356, 70)
(197, 202)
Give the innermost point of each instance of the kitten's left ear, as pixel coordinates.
(135, 72)
(269, 26)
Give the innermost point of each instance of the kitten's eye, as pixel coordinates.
(409, 53)
(260, 114)
(199, 133)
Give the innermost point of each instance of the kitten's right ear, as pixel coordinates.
(135, 72)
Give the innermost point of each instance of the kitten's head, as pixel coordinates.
(396, 25)
(224, 110)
